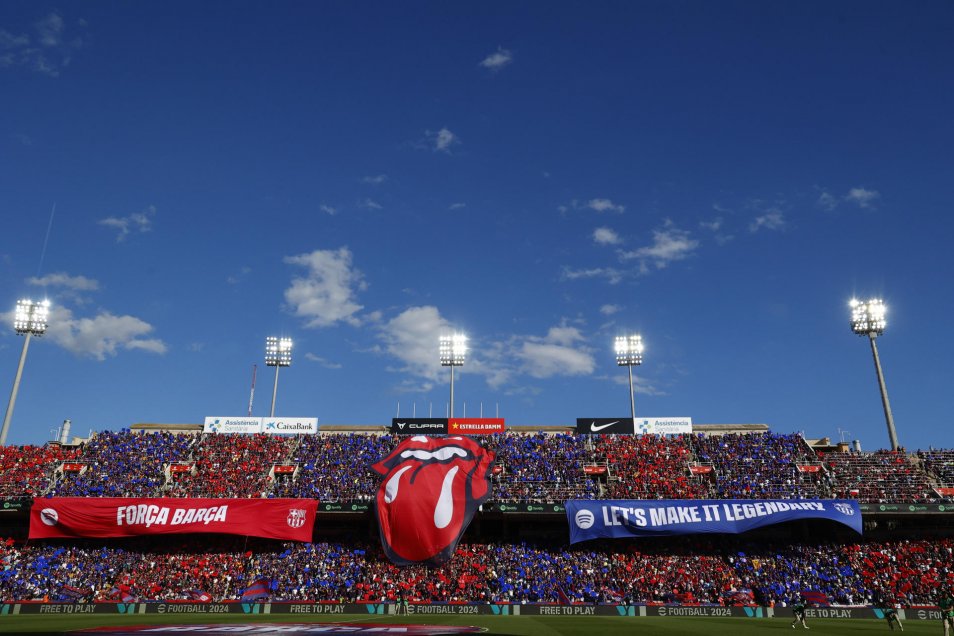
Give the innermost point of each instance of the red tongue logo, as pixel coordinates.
(431, 489)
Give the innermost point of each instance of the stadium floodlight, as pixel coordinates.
(29, 319)
(453, 351)
(868, 319)
(629, 353)
(277, 354)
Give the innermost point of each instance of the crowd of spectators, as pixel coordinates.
(28, 470)
(649, 467)
(541, 468)
(335, 467)
(231, 466)
(122, 464)
(879, 477)
(759, 465)
(530, 468)
(685, 570)
(940, 464)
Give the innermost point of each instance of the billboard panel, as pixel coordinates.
(475, 425)
(268, 425)
(247, 425)
(663, 425)
(419, 426)
(290, 425)
(604, 425)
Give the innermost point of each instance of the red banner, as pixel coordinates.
(700, 470)
(71, 517)
(944, 492)
(808, 468)
(475, 425)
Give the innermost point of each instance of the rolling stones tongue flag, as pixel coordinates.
(431, 489)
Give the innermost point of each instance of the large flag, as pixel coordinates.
(816, 597)
(200, 595)
(430, 490)
(72, 593)
(122, 593)
(257, 590)
(100, 517)
(740, 597)
(625, 518)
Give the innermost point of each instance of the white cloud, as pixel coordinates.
(609, 310)
(641, 385)
(457, 206)
(713, 226)
(327, 209)
(612, 275)
(604, 205)
(862, 198)
(371, 204)
(63, 280)
(235, 279)
(442, 140)
(50, 30)
(48, 53)
(606, 236)
(773, 219)
(827, 200)
(560, 352)
(412, 338)
(102, 336)
(670, 244)
(497, 60)
(138, 222)
(377, 179)
(322, 361)
(325, 295)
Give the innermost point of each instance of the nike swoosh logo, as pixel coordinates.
(594, 428)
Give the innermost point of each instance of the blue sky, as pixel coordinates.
(361, 177)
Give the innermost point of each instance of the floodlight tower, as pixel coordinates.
(629, 353)
(29, 320)
(278, 355)
(453, 350)
(868, 319)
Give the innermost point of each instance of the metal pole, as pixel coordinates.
(452, 393)
(632, 397)
(892, 434)
(274, 391)
(251, 394)
(13, 394)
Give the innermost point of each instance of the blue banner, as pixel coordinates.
(617, 519)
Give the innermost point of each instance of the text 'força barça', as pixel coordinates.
(152, 515)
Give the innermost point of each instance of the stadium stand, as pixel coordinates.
(530, 468)
(120, 464)
(687, 570)
(28, 470)
(880, 477)
(231, 466)
(334, 467)
(510, 561)
(940, 465)
(759, 466)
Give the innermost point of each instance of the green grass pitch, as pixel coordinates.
(497, 625)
